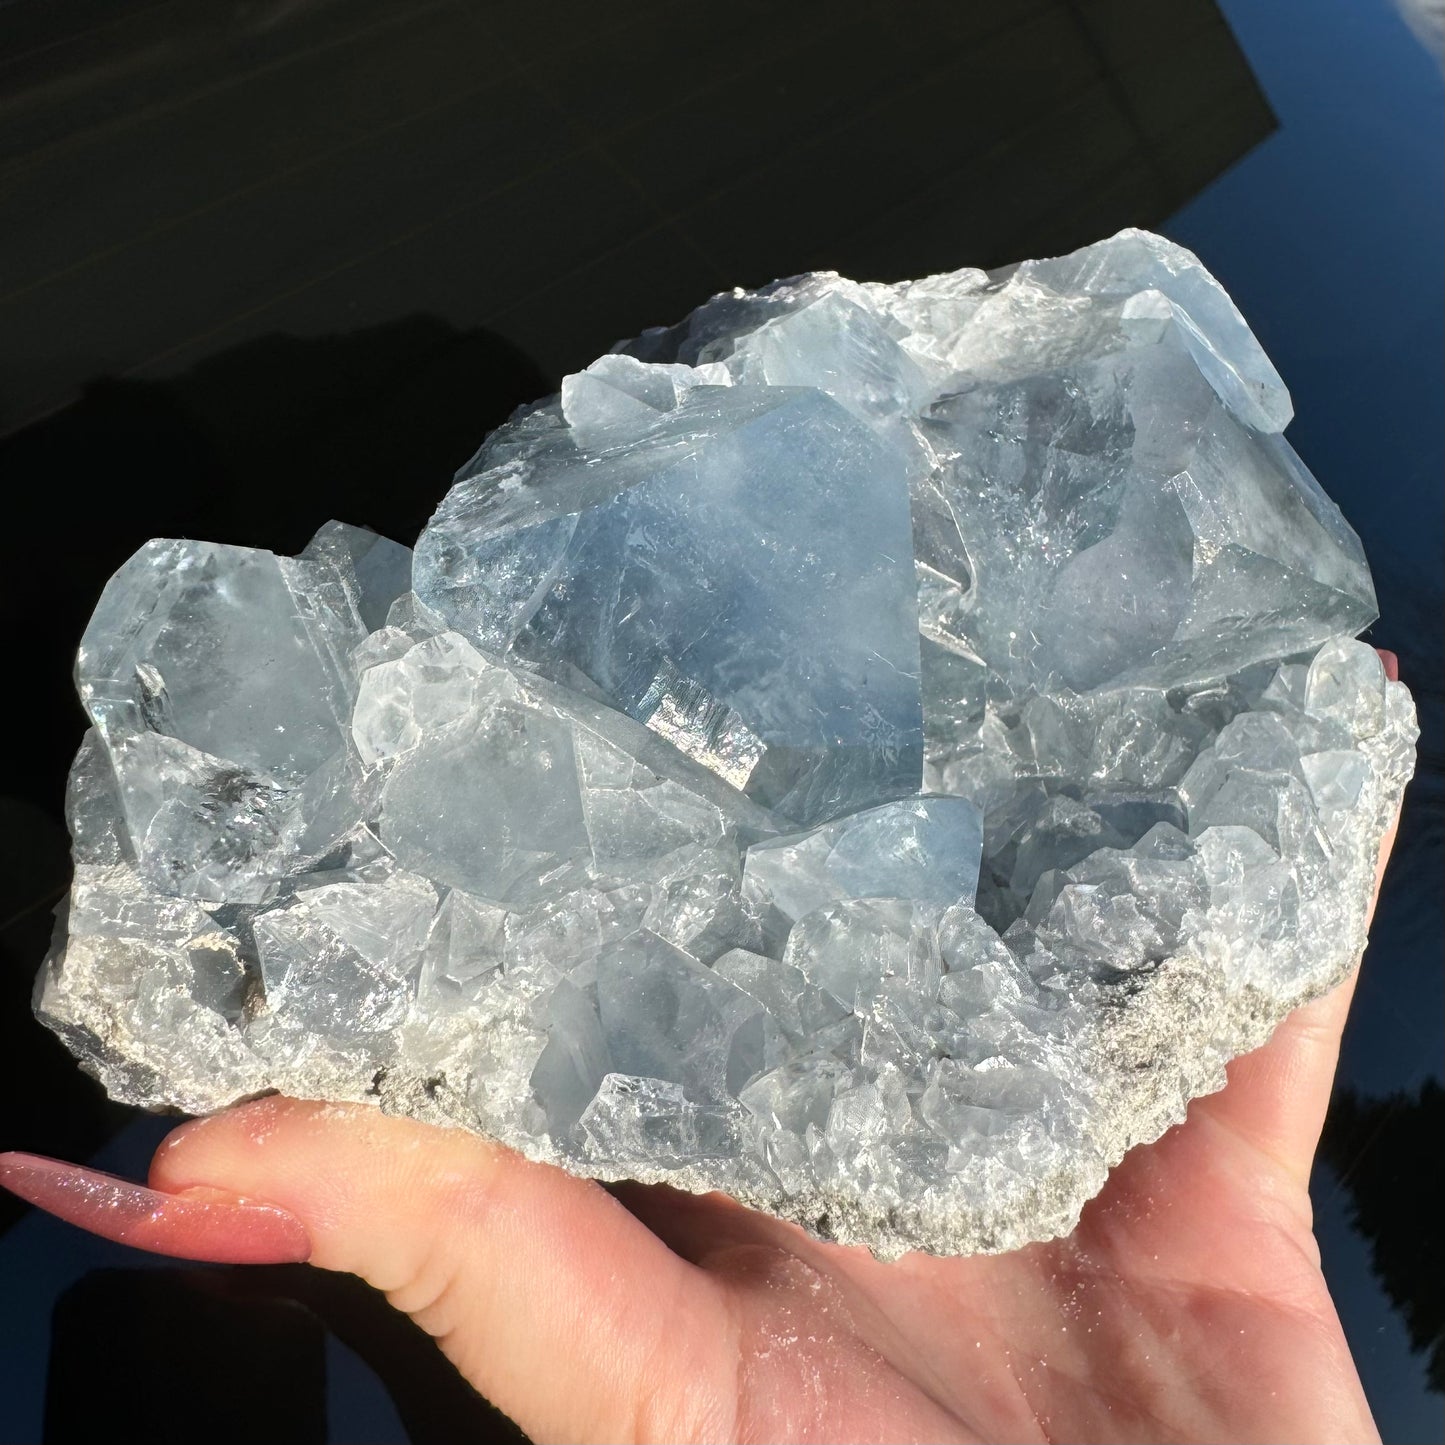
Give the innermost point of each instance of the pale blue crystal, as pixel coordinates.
(666, 1016)
(644, 1121)
(877, 749)
(924, 848)
(753, 540)
(1136, 532)
(340, 958)
(1219, 341)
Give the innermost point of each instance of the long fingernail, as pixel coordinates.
(204, 1224)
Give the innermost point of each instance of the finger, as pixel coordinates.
(1277, 1095)
(700, 1227)
(207, 1224)
(544, 1291)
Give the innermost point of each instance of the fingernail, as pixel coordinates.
(1392, 664)
(205, 1224)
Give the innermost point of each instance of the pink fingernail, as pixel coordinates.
(204, 1224)
(1392, 664)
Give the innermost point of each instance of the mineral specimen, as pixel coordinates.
(875, 750)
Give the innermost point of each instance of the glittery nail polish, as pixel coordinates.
(198, 1223)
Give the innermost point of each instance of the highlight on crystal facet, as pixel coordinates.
(876, 750)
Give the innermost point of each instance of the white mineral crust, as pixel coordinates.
(874, 750)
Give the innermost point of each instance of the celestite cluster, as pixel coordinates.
(874, 750)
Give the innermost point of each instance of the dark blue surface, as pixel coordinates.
(1330, 235)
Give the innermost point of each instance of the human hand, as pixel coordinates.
(1188, 1304)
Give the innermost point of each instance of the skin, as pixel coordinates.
(1188, 1304)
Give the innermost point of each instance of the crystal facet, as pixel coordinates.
(874, 749)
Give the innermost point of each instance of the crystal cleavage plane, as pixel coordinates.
(875, 750)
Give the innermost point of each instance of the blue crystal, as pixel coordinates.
(755, 541)
(876, 749)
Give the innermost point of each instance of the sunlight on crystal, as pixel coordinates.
(877, 750)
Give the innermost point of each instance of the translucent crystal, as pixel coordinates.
(233, 653)
(644, 1120)
(873, 749)
(921, 848)
(1137, 266)
(754, 541)
(340, 958)
(1346, 685)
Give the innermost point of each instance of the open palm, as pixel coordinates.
(1188, 1304)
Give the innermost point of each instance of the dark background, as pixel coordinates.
(262, 264)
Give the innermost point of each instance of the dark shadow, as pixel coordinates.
(255, 447)
(1383, 1150)
(239, 1355)
(179, 179)
(168, 1357)
(436, 1406)
(1411, 611)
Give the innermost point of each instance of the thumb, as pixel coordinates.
(547, 1295)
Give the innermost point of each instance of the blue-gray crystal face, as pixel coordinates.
(923, 849)
(218, 680)
(873, 749)
(752, 542)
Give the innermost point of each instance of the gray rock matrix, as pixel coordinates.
(875, 750)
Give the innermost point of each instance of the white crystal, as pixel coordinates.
(923, 848)
(877, 750)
